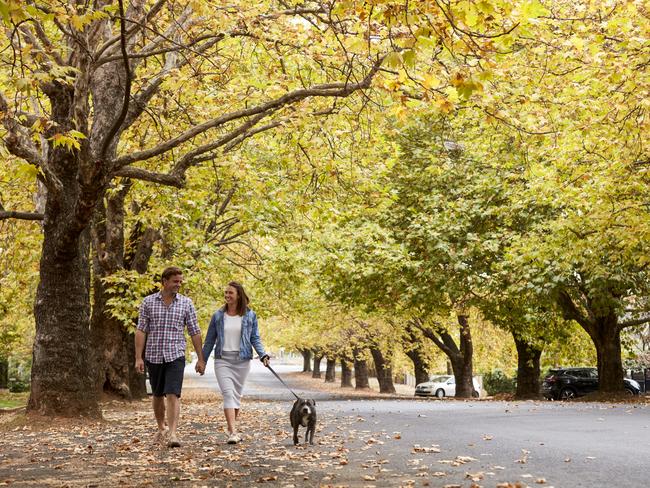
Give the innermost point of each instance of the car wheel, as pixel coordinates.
(567, 394)
(475, 394)
(630, 392)
(440, 393)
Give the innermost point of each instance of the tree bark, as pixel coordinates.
(360, 372)
(414, 351)
(330, 369)
(4, 373)
(112, 341)
(384, 371)
(464, 368)
(460, 356)
(306, 360)
(346, 374)
(62, 381)
(109, 335)
(318, 357)
(607, 339)
(528, 368)
(605, 332)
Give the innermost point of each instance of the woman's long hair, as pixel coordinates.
(242, 299)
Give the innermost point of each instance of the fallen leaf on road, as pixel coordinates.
(418, 448)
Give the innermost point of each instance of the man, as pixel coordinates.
(163, 317)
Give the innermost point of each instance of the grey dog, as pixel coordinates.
(303, 413)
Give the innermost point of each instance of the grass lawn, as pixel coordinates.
(12, 400)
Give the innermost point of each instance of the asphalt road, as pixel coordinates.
(567, 445)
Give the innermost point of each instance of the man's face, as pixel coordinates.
(173, 283)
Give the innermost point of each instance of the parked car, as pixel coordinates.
(567, 383)
(442, 386)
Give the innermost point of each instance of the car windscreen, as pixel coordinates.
(439, 379)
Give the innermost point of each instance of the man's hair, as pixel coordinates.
(169, 272)
(242, 299)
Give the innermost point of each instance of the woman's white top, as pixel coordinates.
(231, 332)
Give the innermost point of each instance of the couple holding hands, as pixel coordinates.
(232, 333)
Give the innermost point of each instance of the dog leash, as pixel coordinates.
(286, 386)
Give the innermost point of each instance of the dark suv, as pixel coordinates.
(567, 383)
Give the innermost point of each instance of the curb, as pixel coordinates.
(12, 410)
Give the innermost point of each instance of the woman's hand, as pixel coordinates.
(265, 359)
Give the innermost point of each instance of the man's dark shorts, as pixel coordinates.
(166, 378)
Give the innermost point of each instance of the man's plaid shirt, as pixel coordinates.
(164, 326)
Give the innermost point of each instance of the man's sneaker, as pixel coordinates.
(234, 439)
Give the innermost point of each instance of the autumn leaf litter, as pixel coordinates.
(120, 451)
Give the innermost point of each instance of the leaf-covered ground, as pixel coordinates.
(120, 451)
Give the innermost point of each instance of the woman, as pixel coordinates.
(233, 333)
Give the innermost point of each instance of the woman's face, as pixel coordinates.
(231, 295)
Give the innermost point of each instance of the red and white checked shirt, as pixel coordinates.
(164, 326)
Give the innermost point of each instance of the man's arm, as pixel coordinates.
(195, 333)
(140, 338)
(198, 347)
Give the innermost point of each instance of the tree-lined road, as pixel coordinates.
(566, 444)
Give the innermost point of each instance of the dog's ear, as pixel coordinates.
(313, 402)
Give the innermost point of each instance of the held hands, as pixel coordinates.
(200, 367)
(266, 360)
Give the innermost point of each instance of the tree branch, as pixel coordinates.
(157, 7)
(8, 214)
(144, 175)
(146, 93)
(154, 52)
(127, 89)
(324, 90)
(176, 177)
(633, 322)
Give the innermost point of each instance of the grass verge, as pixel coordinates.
(12, 400)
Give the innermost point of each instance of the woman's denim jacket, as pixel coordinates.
(250, 336)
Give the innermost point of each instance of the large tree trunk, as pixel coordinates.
(62, 366)
(528, 368)
(605, 332)
(318, 357)
(460, 356)
(462, 363)
(306, 360)
(330, 369)
(62, 380)
(109, 334)
(384, 371)
(111, 338)
(607, 339)
(346, 374)
(360, 372)
(419, 366)
(414, 351)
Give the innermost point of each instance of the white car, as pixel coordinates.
(442, 386)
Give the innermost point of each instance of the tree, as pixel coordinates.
(102, 92)
(77, 66)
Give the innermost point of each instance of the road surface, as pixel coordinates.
(569, 445)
